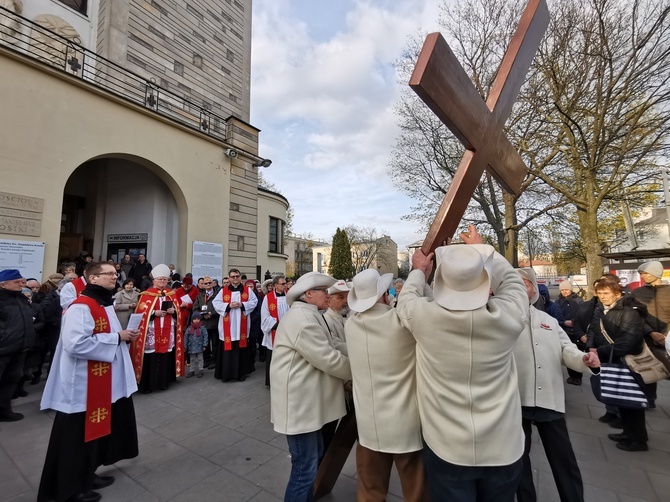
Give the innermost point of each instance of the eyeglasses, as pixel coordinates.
(281, 284)
(325, 290)
(234, 276)
(207, 282)
(107, 273)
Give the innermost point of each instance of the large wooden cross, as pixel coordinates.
(443, 85)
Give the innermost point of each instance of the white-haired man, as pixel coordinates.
(307, 374)
(466, 377)
(383, 364)
(337, 312)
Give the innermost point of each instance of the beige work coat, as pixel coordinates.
(466, 377)
(540, 352)
(307, 373)
(383, 367)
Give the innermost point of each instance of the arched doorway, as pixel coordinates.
(120, 204)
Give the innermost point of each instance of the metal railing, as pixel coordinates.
(67, 54)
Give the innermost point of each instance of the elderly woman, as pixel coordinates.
(158, 352)
(125, 301)
(622, 319)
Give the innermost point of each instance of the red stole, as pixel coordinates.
(227, 342)
(79, 284)
(99, 380)
(147, 303)
(274, 312)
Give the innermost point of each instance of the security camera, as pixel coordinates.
(263, 163)
(231, 153)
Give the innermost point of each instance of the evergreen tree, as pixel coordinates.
(341, 266)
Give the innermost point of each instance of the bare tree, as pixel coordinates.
(369, 248)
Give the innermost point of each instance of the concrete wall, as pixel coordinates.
(270, 205)
(56, 124)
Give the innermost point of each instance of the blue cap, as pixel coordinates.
(10, 274)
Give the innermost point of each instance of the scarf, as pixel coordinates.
(103, 296)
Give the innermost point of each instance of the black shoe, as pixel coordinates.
(616, 423)
(20, 392)
(632, 446)
(618, 437)
(607, 418)
(11, 417)
(89, 496)
(102, 481)
(36, 379)
(242, 379)
(199, 374)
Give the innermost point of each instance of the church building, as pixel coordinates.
(125, 130)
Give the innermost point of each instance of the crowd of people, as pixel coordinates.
(445, 379)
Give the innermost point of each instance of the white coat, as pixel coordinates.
(466, 377)
(234, 314)
(307, 373)
(383, 367)
(335, 323)
(66, 386)
(540, 352)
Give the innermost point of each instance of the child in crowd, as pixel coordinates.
(195, 342)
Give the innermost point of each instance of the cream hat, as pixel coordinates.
(339, 287)
(463, 276)
(653, 267)
(529, 274)
(306, 282)
(368, 287)
(565, 285)
(161, 270)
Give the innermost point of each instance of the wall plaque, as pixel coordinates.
(21, 202)
(20, 226)
(128, 237)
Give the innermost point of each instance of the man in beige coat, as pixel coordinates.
(466, 377)
(307, 376)
(382, 357)
(337, 312)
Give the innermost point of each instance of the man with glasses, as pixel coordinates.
(234, 303)
(307, 375)
(90, 387)
(210, 320)
(272, 310)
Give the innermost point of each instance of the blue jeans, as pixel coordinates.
(306, 450)
(458, 483)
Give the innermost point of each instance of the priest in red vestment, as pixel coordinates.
(158, 352)
(234, 303)
(187, 295)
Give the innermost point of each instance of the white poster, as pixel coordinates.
(26, 256)
(207, 260)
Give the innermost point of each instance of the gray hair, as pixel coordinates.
(399, 281)
(63, 282)
(276, 278)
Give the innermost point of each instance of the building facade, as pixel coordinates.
(380, 254)
(126, 124)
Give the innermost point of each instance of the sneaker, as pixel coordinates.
(607, 418)
(632, 446)
(11, 417)
(616, 423)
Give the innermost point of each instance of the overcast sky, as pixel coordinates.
(322, 93)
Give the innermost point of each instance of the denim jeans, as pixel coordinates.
(306, 450)
(458, 483)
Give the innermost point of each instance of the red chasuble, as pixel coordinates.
(99, 382)
(227, 342)
(274, 311)
(146, 304)
(79, 284)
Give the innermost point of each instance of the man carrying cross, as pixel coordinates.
(89, 386)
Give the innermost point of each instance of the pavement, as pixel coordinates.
(205, 440)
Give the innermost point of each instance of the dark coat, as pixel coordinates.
(17, 333)
(139, 271)
(546, 305)
(200, 301)
(624, 323)
(569, 308)
(583, 317)
(657, 300)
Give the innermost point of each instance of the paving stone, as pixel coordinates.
(620, 479)
(151, 455)
(237, 417)
(661, 484)
(244, 456)
(273, 475)
(264, 496)
(177, 475)
(162, 416)
(211, 441)
(260, 429)
(597, 494)
(13, 483)
(183, 427)
(123, 489)
(651, 461)
(222, 485)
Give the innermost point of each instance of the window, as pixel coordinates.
(276, 235)
(78, 5)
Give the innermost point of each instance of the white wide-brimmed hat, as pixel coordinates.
(463, 276)
(161, 270)
(368, 287)
(306, 282)
(339, 287)
(529, 274)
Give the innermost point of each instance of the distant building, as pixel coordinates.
(272, 257)
(300, 256)
(380, 254)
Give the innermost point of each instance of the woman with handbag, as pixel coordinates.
(617, 329)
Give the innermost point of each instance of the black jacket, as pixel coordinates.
(17, 333)
(624, 323)
(569, 307)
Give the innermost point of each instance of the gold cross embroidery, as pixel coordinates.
(272, 307)
(226, 298)
(98, 415)
(100, 369)
(101, 324)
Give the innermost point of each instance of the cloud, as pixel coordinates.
(324, 104)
